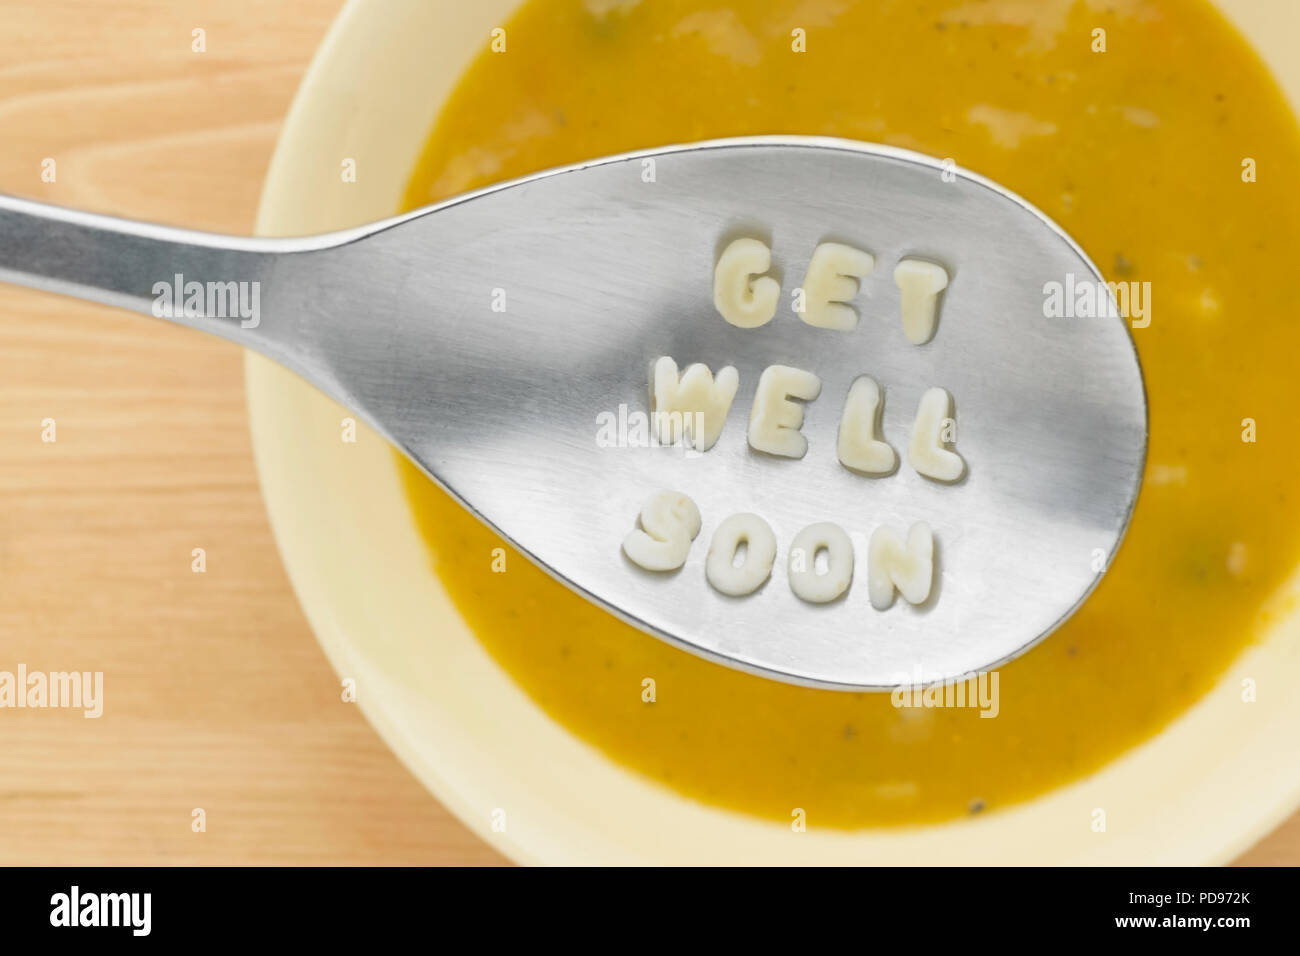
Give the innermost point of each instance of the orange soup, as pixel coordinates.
(1140, 150)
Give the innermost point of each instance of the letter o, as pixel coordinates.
(806, 583)
(760, 554)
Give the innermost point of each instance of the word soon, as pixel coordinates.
(670, 522)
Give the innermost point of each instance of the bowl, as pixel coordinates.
(1199, 792)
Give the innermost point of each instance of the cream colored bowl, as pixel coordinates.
(1202, 791)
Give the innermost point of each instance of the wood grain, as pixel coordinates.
(217, 696)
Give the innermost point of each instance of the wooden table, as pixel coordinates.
(216, 694)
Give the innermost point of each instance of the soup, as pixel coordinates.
(1160, 144)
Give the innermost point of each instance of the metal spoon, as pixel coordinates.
(485, 335)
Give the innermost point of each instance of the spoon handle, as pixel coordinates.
(308, 303)
(200, 280)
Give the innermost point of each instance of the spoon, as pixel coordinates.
(489, 337)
